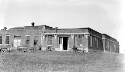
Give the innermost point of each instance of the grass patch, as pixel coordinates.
(52, 61)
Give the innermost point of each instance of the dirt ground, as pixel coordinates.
(52, 61)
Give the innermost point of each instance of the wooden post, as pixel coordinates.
(43, 42)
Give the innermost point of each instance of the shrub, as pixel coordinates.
(75, 49)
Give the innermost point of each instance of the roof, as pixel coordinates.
(108, 37)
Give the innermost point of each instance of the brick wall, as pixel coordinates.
(90, 38)
(110, 44)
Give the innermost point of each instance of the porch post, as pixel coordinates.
(55, 45)
(72, 41)
(104, 44)
(43, 42)
(85, 42)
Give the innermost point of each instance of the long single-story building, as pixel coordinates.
(59, 39)
(110, 44)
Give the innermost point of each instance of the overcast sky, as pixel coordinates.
(101, 15)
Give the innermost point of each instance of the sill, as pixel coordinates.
(49, 45)
(6, 44)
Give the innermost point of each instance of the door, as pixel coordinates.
(65, 43)
(61, 43)
(17, 42)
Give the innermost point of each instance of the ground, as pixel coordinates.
(52, 61)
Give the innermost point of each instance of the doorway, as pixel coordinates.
(17, 42)
(63, 42)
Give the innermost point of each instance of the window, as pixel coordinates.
(27, 39)
(7, 40)
(49, 41)
(60, 40)
(79, 40)
(35, 40)
(0, 39)
(79, 36)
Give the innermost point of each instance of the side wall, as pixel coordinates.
(95, 40)
(110, 44)
(21, 35)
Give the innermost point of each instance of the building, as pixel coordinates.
(45, 37)
(110, 44)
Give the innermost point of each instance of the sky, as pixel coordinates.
(104, 16)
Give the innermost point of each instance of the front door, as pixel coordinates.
(17, 42)
(63, 42)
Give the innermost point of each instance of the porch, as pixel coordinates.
(64, 41)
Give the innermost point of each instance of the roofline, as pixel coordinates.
(75, 28)
(109, 36)
(64, 33)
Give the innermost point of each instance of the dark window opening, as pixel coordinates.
(60, 40)
(7, 40)
(0, 39)
(49, 41)
(27, 39)
(35, 40)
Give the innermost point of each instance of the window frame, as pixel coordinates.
(79, 39)
(1, 39)
(27, 39)
(35, 40)
(8, 40)
(49, 41)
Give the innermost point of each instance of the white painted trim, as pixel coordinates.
(17, 35)
(55, 36)
(86, 36)
(72, 36)
(7, 35)
(27, 35)
(7, 44)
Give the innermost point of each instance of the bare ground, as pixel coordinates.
(51, 61)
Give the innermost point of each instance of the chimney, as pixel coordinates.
(33, 24)
(5, 28)
(56, 29)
